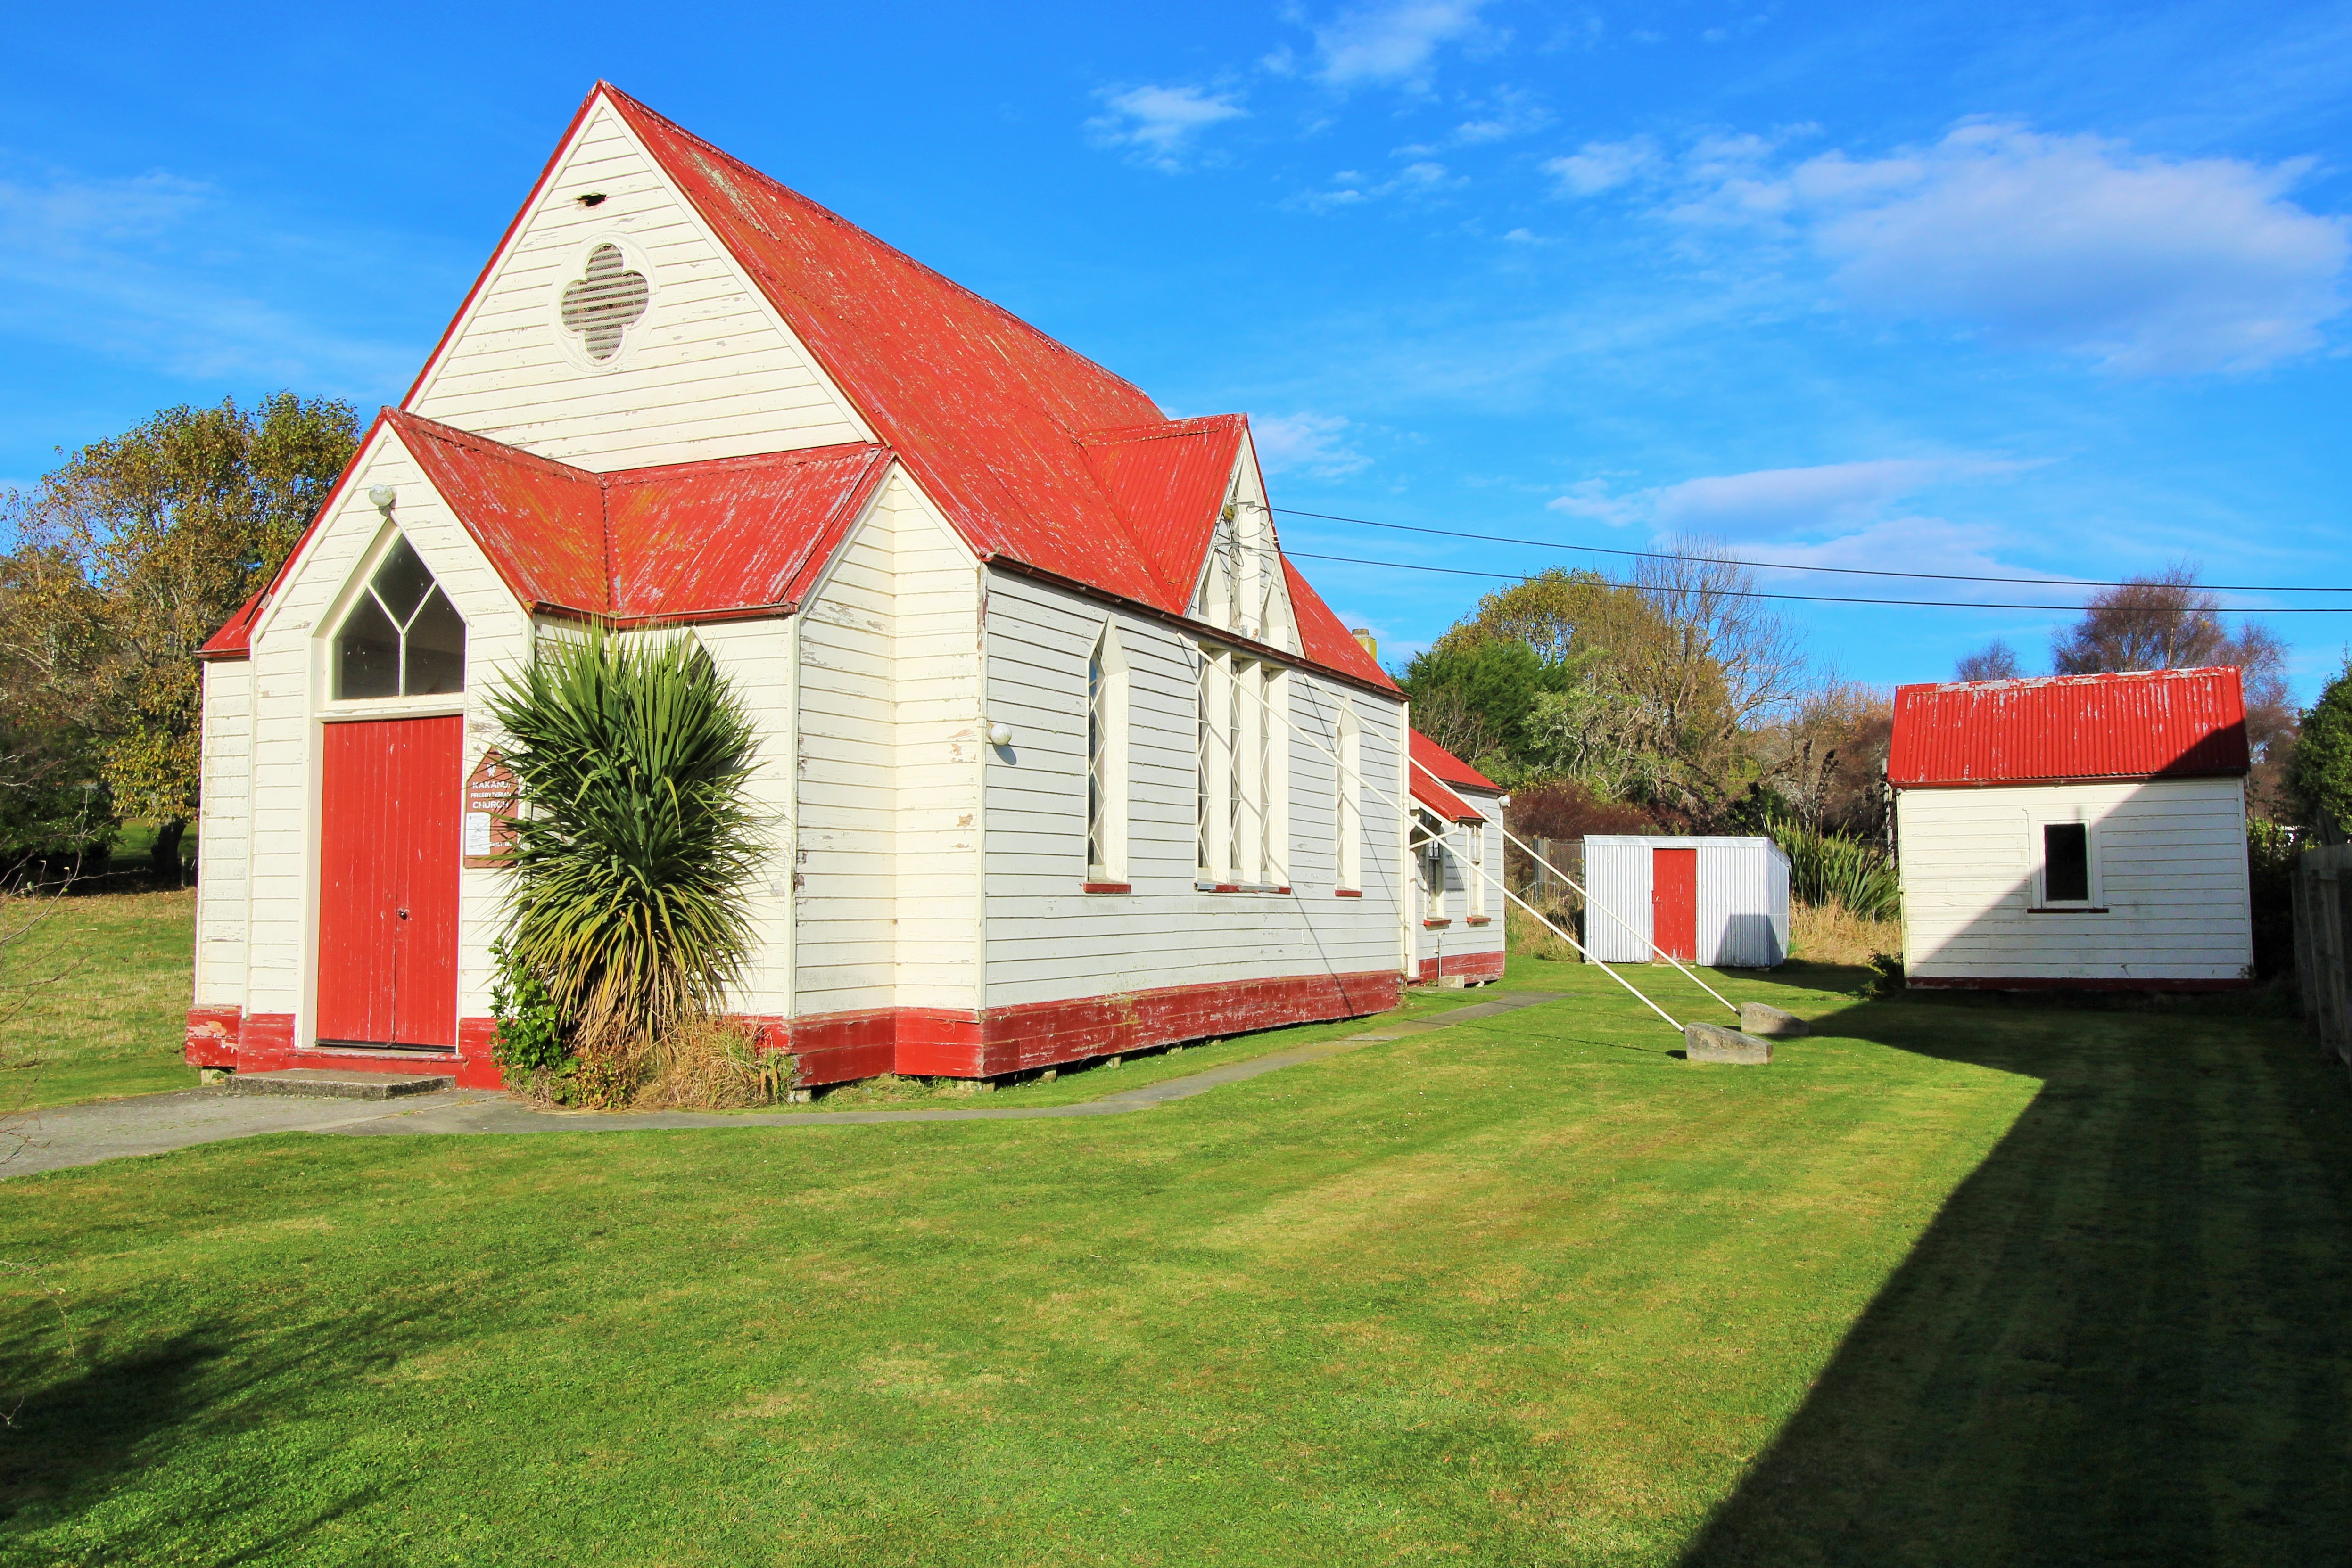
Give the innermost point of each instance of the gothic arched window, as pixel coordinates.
(404, 638)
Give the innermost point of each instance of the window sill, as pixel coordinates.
(1433, 924)
(2066, 909)
(1480, 920)
(1347, 892)
(1240, 887)
(440, 704)
(1106, 887)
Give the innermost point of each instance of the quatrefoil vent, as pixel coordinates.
(604, 304)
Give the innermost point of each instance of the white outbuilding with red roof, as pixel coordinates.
(2075, 831)
(1458, 869)
(1064, 757)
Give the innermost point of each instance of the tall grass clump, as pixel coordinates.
(636, 845)
(1832, 868)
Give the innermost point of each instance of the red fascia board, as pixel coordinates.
(529, 205)
(2165, 723)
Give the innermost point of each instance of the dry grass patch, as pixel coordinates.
(1832, 934)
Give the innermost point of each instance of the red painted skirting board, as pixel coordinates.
(938, 1042)
(930, 1042)
(264, 1043)
(1463, 966)
(2045, 983)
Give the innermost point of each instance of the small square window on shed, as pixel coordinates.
(2065, 862)
(404, 638)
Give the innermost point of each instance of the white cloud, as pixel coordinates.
(1776, 501)
(162, 271)
(2144, 264)
(1602, 165)
(1159, 124)
(1312, 443)
(1396, 42)
(1350, 187)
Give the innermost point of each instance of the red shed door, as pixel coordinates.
(1674, 902)
(388, 841)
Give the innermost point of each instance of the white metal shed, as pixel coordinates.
(1715, 901)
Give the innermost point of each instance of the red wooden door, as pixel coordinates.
(1674, 902)
(388, 840)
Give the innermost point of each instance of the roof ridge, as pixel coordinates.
(1163, 429)
(654, 472)
(487, 443)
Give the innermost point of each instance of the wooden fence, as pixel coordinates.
(2323, 945)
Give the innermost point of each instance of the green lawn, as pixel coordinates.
(105, 977)
(1942, 1286)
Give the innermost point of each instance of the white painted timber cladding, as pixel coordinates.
(1462, 939)
(225, 835)
(710, 371)
(1743, 900)
(889, 776)
(756, 657)
(288, 672)
(1049, 941)
(2170, 858)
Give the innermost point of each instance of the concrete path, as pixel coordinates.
(156, 1124)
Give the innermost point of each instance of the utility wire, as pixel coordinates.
(1791, 566)
(1835, 599)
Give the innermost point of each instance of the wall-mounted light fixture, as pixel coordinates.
(382, 496)
(1000, 734)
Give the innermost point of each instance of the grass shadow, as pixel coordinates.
(88, 1471)
(2121, 1340)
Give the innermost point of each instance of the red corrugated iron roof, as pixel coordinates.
(235, 635)
(2154, 724)
(1442, 800)
(1167, 480)
(1323, 640)
(984, 409)
(1427, 753)
(691, 541)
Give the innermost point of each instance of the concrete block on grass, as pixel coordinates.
(1713, 1042)
(1770, 1022)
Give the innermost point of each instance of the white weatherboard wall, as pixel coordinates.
(1743, 900)
(1461, 939)
(225, 834)
(2169, 866)
(888, 769)
(1046, 940)
(289, 680)
(710, 371)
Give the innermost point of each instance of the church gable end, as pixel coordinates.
(612, 331)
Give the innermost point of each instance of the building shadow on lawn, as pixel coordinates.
(2124, 1339)
(94, 1457)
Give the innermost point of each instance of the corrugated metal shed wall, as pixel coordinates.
(1743, 900)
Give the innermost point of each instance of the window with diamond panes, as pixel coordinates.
(404, 638)
(1107, 761)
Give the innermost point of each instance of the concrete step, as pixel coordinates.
(335, 1083)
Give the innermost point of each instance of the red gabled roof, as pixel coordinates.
(1167, 479)
(984, 409)
(2153, 724)
(1442, 800)
(682, 541)
(234, 639)
(1428, 754)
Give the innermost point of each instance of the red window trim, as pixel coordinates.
(1347, 892)
(1480, 920)
(1433, 924)
(1107, 887)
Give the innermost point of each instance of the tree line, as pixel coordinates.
(1675, 700)
(119, 564)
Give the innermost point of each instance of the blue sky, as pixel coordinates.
(2029, 290)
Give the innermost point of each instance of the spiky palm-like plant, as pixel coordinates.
(638, 839)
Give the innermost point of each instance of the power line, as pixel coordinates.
(1834, 599)
(1791, 566)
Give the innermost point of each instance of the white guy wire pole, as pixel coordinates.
(1591, 903)
(1406, 812)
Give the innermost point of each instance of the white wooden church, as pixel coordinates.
(1063, 758)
